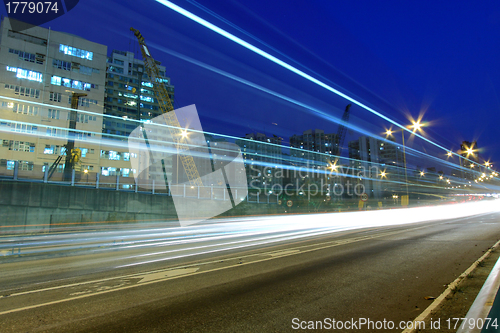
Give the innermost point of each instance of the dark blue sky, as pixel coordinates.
(400, 57)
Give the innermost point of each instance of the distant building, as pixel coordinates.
(130, 96)
(129, 93)
(263, 157)
(367, 158)
(312, 142)
(42, 66)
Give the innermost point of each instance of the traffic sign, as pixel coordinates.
(289, 203)
(364, 196)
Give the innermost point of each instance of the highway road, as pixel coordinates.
(248, 275)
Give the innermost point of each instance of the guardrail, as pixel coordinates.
(151, 187)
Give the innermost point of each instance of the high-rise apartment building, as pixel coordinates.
(263, 158)
(40, 70)
(312, 142)
(129, 93)
(129, 100)
(365, 163)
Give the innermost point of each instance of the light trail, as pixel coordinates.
(221, 235)
(285, 65)
(119, 143)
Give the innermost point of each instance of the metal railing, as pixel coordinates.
(130, 184)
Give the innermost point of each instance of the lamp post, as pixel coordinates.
(389, 133)
(416, 126)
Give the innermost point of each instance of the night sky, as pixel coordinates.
(438, 60)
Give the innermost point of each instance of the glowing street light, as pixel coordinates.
(416, 126)
(441, 177)
(184, 134)
(383, 174)
(449, 154)
(422, 173)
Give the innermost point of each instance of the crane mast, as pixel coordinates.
(166, 107)
(342, 130)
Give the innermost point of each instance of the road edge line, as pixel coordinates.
(424, 315)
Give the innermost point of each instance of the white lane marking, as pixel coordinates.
(162, 275)
(331, 243)
(335, 243)
(283, 253)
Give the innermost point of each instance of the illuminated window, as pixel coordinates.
(75, 52)
(113, 155)
(26, 74)
(108, 171)
(76, 84)
(10, 165)
(49, 150)
(66, 82)
(55, 80)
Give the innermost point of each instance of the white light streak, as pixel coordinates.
(283, 64)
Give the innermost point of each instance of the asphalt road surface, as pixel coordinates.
(202, 284)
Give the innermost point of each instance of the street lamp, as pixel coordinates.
(87, 173)
(416, 125)
(334, 167)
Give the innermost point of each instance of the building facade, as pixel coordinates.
(129, 100)
(312, 142)
(263, 159)
(364, 155)
(40, 71)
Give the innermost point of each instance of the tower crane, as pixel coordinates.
(178, 134)
(73, 155)
(342, 130)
